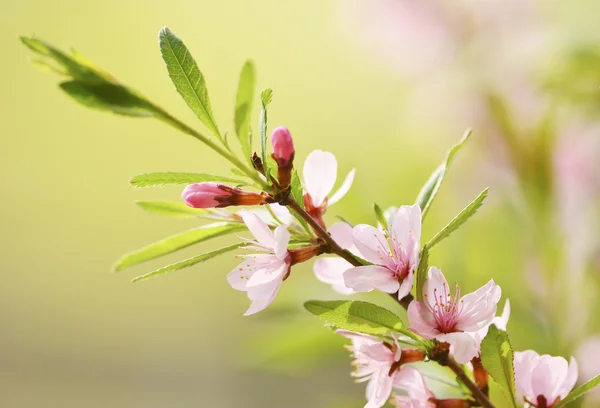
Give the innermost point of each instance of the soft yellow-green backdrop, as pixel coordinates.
(73, 334)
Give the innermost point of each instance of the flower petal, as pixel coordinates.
(341, 233)
(371, 243)
(548, 375)
(421, 320)
(281, 239)
(331, 270)
(479, 307)
(379, 389)
(462, 346)
(367, 278)
(525, 362)
(570, 379)
(406, 285)
(268, 270)
(343, 190)
(406, 228)
(320, 173)
(262, 296)
(238, 278)
(434, 285)
(410, 380)
(258, 228)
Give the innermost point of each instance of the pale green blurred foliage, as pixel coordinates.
(74, 335)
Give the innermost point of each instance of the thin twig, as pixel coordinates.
(334, 248)
(462, 376)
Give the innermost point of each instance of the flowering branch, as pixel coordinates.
(443, 326)
(333, 247)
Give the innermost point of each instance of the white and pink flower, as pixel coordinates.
(261, 275)
(330, 270)
(542, 381)
(320, 174)
(419, 396)
(379, 363)
(395, 256)
(451, 318)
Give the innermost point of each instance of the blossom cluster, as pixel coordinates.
(285, 214)
(388, 256)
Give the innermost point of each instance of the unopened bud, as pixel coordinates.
(211, 195)
(283, 153)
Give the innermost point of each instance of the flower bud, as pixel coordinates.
(211, 195)
(283, 145)
(283, 153)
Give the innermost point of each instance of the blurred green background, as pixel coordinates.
(74, 334)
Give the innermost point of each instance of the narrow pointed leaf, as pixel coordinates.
(187, 78)
(358, 316)
(74, 67)
(172, 178)
(266, 96)
(379, 216)
(171, 209)
(389, 214)
(177, 242)
(243, 107)
(432, 186)
(459, 220)
(110, 97)
(188, 262)
(579, 392)
(497, 358)
(422, 272)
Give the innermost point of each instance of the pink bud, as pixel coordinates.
(283, 146)
(203, 195)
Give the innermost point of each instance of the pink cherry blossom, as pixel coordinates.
(395, 256)
(451, 318)
(378, 363)
(261, 275)
(419, 396)
(320, 174)
(544, 380)
(331, 270)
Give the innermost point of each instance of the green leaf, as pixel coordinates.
(459, 220)
(74, 66)
(243, 107)
(171, 209)
(358, 316)
(110, 97)
(169, 178)
(380, 216)
(296, 189)
(389, 214)
(266, 96)
(497, 359)
(188, 262)
(422, 272)
(579, 391)
(187, 78)
(432, 186)
(177, 242)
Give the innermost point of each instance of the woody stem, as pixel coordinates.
(334, 248)
(462, 376)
